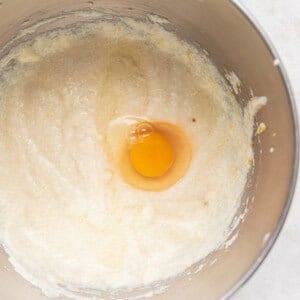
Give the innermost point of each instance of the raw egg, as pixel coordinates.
(150, 155)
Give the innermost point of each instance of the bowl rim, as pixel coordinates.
(293, 181)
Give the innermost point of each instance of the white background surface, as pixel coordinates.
(279, 276)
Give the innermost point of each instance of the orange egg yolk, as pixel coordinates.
(151, 153)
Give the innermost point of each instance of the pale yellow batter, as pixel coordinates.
(69, 220)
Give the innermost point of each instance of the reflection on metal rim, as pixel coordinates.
(271, 241)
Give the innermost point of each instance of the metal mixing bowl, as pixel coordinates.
(235, 43)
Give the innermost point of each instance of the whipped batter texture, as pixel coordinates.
(68, 220)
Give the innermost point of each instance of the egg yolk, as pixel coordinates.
(151, 153)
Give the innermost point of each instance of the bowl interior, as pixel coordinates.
(233, 43)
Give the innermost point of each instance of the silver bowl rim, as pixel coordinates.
(293, 181)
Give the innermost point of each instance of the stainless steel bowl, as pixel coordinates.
(234, 42)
